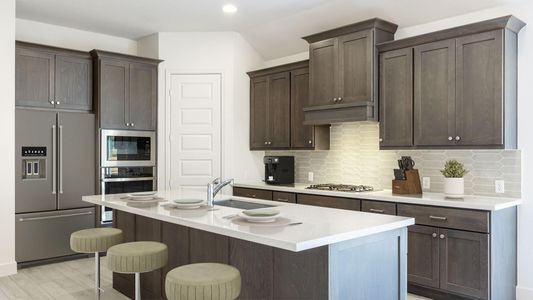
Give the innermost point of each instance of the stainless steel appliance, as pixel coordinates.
(116, 180)
(55, 155)
(279, 169)
(341, 187)
(127, 148)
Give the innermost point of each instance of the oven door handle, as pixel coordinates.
(127, 179)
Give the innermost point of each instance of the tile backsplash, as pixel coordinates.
(354, 158)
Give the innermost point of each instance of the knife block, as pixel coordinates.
(411, 184)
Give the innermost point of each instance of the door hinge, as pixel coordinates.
(170, 93)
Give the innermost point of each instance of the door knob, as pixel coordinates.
(434, 235)
(270, 143)
(52, 102)
(57, 102)
(457, 138)
(310, 142)
(132, 124)
(339, 99)
(442, 236)
(334, 99)
(380, 140)
(128, 124)
(450, 138)
(266, 143)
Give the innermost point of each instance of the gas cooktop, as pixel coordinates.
(341, 187)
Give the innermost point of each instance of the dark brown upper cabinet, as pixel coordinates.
(343, 72)
(396, 98)
(463, 88)
(126, 91)
(277, 98)
(49, 77)
(434, 93)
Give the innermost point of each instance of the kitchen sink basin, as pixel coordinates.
(241, 204)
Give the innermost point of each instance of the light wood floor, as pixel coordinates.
(66, 280)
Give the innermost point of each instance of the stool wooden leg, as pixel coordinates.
(137, 286)
(97, 274)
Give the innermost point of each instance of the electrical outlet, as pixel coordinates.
(310, 176)
(499, 186)
(426, 183)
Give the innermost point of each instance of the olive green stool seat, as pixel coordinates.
(203, 281)
(95, 240)
(136, 258)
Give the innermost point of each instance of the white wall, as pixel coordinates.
(64, 37)
(211, 52)
(7, 151)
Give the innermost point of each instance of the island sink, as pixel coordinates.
(241, 204)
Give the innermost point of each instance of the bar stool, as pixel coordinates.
(203, 281)
(95, 240)
(136, 258)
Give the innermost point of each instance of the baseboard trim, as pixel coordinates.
(524, 293)
(9, 268)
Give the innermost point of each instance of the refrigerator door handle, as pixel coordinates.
(61, 159)
(54, 157)
(55, 217)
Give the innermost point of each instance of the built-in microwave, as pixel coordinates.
(124, 148)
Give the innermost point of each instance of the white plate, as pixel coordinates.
(188, 206)
(262, 219)
(187, 201)
(142, 196)
(144, 203)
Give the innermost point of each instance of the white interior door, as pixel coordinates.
(195, 130)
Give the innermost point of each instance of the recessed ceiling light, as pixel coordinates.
(229, 8)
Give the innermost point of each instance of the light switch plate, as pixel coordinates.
(426, 183)
(499, 186)
(310, 176)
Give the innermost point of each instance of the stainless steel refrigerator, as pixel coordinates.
(55, 156)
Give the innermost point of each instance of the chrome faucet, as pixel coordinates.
(214, 187)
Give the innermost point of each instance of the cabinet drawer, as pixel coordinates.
(284, 197)
(252, 193)
(378, 207)
(333, 202)
(464, 219)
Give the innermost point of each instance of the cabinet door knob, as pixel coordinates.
(434, 235)
(457, 138)
(334, 99)
(270, 143)
(57, 102)
(339, 99)
(442, 236)
(132, 124)
(266, 143)
(450, 138)
(128, 124)
(380, 140)
(310, 142)
(52, 102)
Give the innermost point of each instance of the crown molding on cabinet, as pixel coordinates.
(359, 26)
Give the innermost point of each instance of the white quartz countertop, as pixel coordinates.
(320, 226)
(432, 199)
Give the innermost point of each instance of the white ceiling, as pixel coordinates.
(273, 27)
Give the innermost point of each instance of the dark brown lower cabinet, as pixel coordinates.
(423, 251)
(453, 261)
(326, 201)
(267, 272)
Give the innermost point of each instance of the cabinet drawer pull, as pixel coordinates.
(379, 211)
(251, 196)
(283, 199)
(438, 218)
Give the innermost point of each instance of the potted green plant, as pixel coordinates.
(454, 183)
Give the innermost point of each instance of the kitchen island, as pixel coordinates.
(332, 254)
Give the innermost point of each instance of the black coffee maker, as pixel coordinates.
(279, 169)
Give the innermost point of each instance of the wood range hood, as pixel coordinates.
(343, 65)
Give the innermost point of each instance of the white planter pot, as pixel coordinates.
(454, 187)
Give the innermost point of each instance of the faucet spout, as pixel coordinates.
(214, 187)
